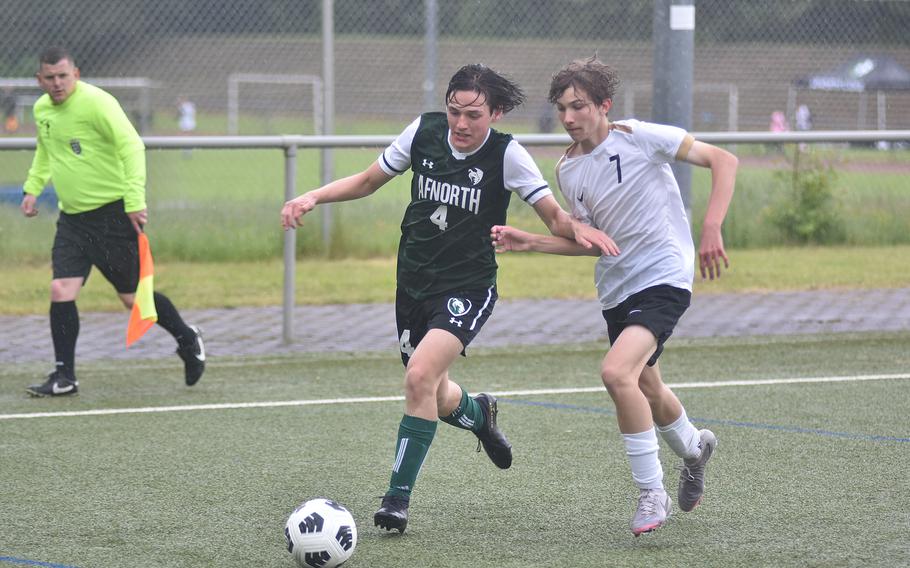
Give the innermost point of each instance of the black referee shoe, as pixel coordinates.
(193, 356)
(492, 439)
(57, 384)
(393, 513)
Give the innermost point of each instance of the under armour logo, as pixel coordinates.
(459, 323)
(427, 163)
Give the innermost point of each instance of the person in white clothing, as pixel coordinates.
(616, 177)
(186, 115)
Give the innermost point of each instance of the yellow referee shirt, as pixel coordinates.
(90, 150)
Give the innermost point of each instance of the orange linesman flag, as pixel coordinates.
(143, 316)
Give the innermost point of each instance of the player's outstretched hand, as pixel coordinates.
(711, 252)
(295, 209)
(506, 238)
(588, 237)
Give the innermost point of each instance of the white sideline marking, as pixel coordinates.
(528, 392)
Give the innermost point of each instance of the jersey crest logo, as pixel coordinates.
(475, 174)
(459, 306)
(77, 148)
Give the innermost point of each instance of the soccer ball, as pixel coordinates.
(321, 533)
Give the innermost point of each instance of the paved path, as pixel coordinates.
(370, 327)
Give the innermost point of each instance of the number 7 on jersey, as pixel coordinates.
(615, 158)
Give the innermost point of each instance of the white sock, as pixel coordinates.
(642, 451)
(682, 437)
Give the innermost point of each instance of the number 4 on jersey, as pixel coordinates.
(438, 217)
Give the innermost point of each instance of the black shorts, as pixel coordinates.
(102, 237)
(460, 313)
(657, 308)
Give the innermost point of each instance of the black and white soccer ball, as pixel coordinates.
(321, 533)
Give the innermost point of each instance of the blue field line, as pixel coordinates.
(714, 421)
(27, 562)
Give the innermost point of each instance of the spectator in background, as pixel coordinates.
(186, 115)
(778, 124)
(8, 107)
(803, 118)
(186, 120)
(96, 159)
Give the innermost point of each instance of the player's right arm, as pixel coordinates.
(393, 161)
(38, 176)
(506, 238)
(344, 189)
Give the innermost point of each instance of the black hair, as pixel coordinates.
(54, 55)
(599, 81)
(500, 93)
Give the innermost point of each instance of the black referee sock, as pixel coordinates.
(64, 332)
(169, 318)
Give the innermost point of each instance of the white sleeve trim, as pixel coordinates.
(521, 174)
(396, 158)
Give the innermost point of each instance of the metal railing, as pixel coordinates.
(291, 143)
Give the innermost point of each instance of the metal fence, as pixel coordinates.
(290, 145)
(389, 59)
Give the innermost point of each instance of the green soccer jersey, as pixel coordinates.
(445, 234)
(90, 150)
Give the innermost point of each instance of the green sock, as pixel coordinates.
(467, 416)
(414, 438)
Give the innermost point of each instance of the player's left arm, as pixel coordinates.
(723, 166)
(130, 149)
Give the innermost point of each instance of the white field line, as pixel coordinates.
(528, 392)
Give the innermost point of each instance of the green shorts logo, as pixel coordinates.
(459, 306)
(77, 148)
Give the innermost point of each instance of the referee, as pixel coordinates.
(96, 159)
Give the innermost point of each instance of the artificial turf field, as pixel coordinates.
(139, 470)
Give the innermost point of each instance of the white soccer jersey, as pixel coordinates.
(519, 170)
(625, 188)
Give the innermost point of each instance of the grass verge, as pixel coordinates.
(24, 288)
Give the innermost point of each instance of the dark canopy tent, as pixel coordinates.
(861, 73)
(864, 73)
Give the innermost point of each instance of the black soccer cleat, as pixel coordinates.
(193, 356)
(57, 384)
(393, 514)
(492, 439)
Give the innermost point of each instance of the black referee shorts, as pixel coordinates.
(460, 313)
(102, 237)
(657, 308)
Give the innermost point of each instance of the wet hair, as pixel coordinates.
(500, 93)
(599, 81)
(54, 55)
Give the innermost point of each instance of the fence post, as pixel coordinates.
(430, 58)
(674, 32)
(290, 248)
(328, 109)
